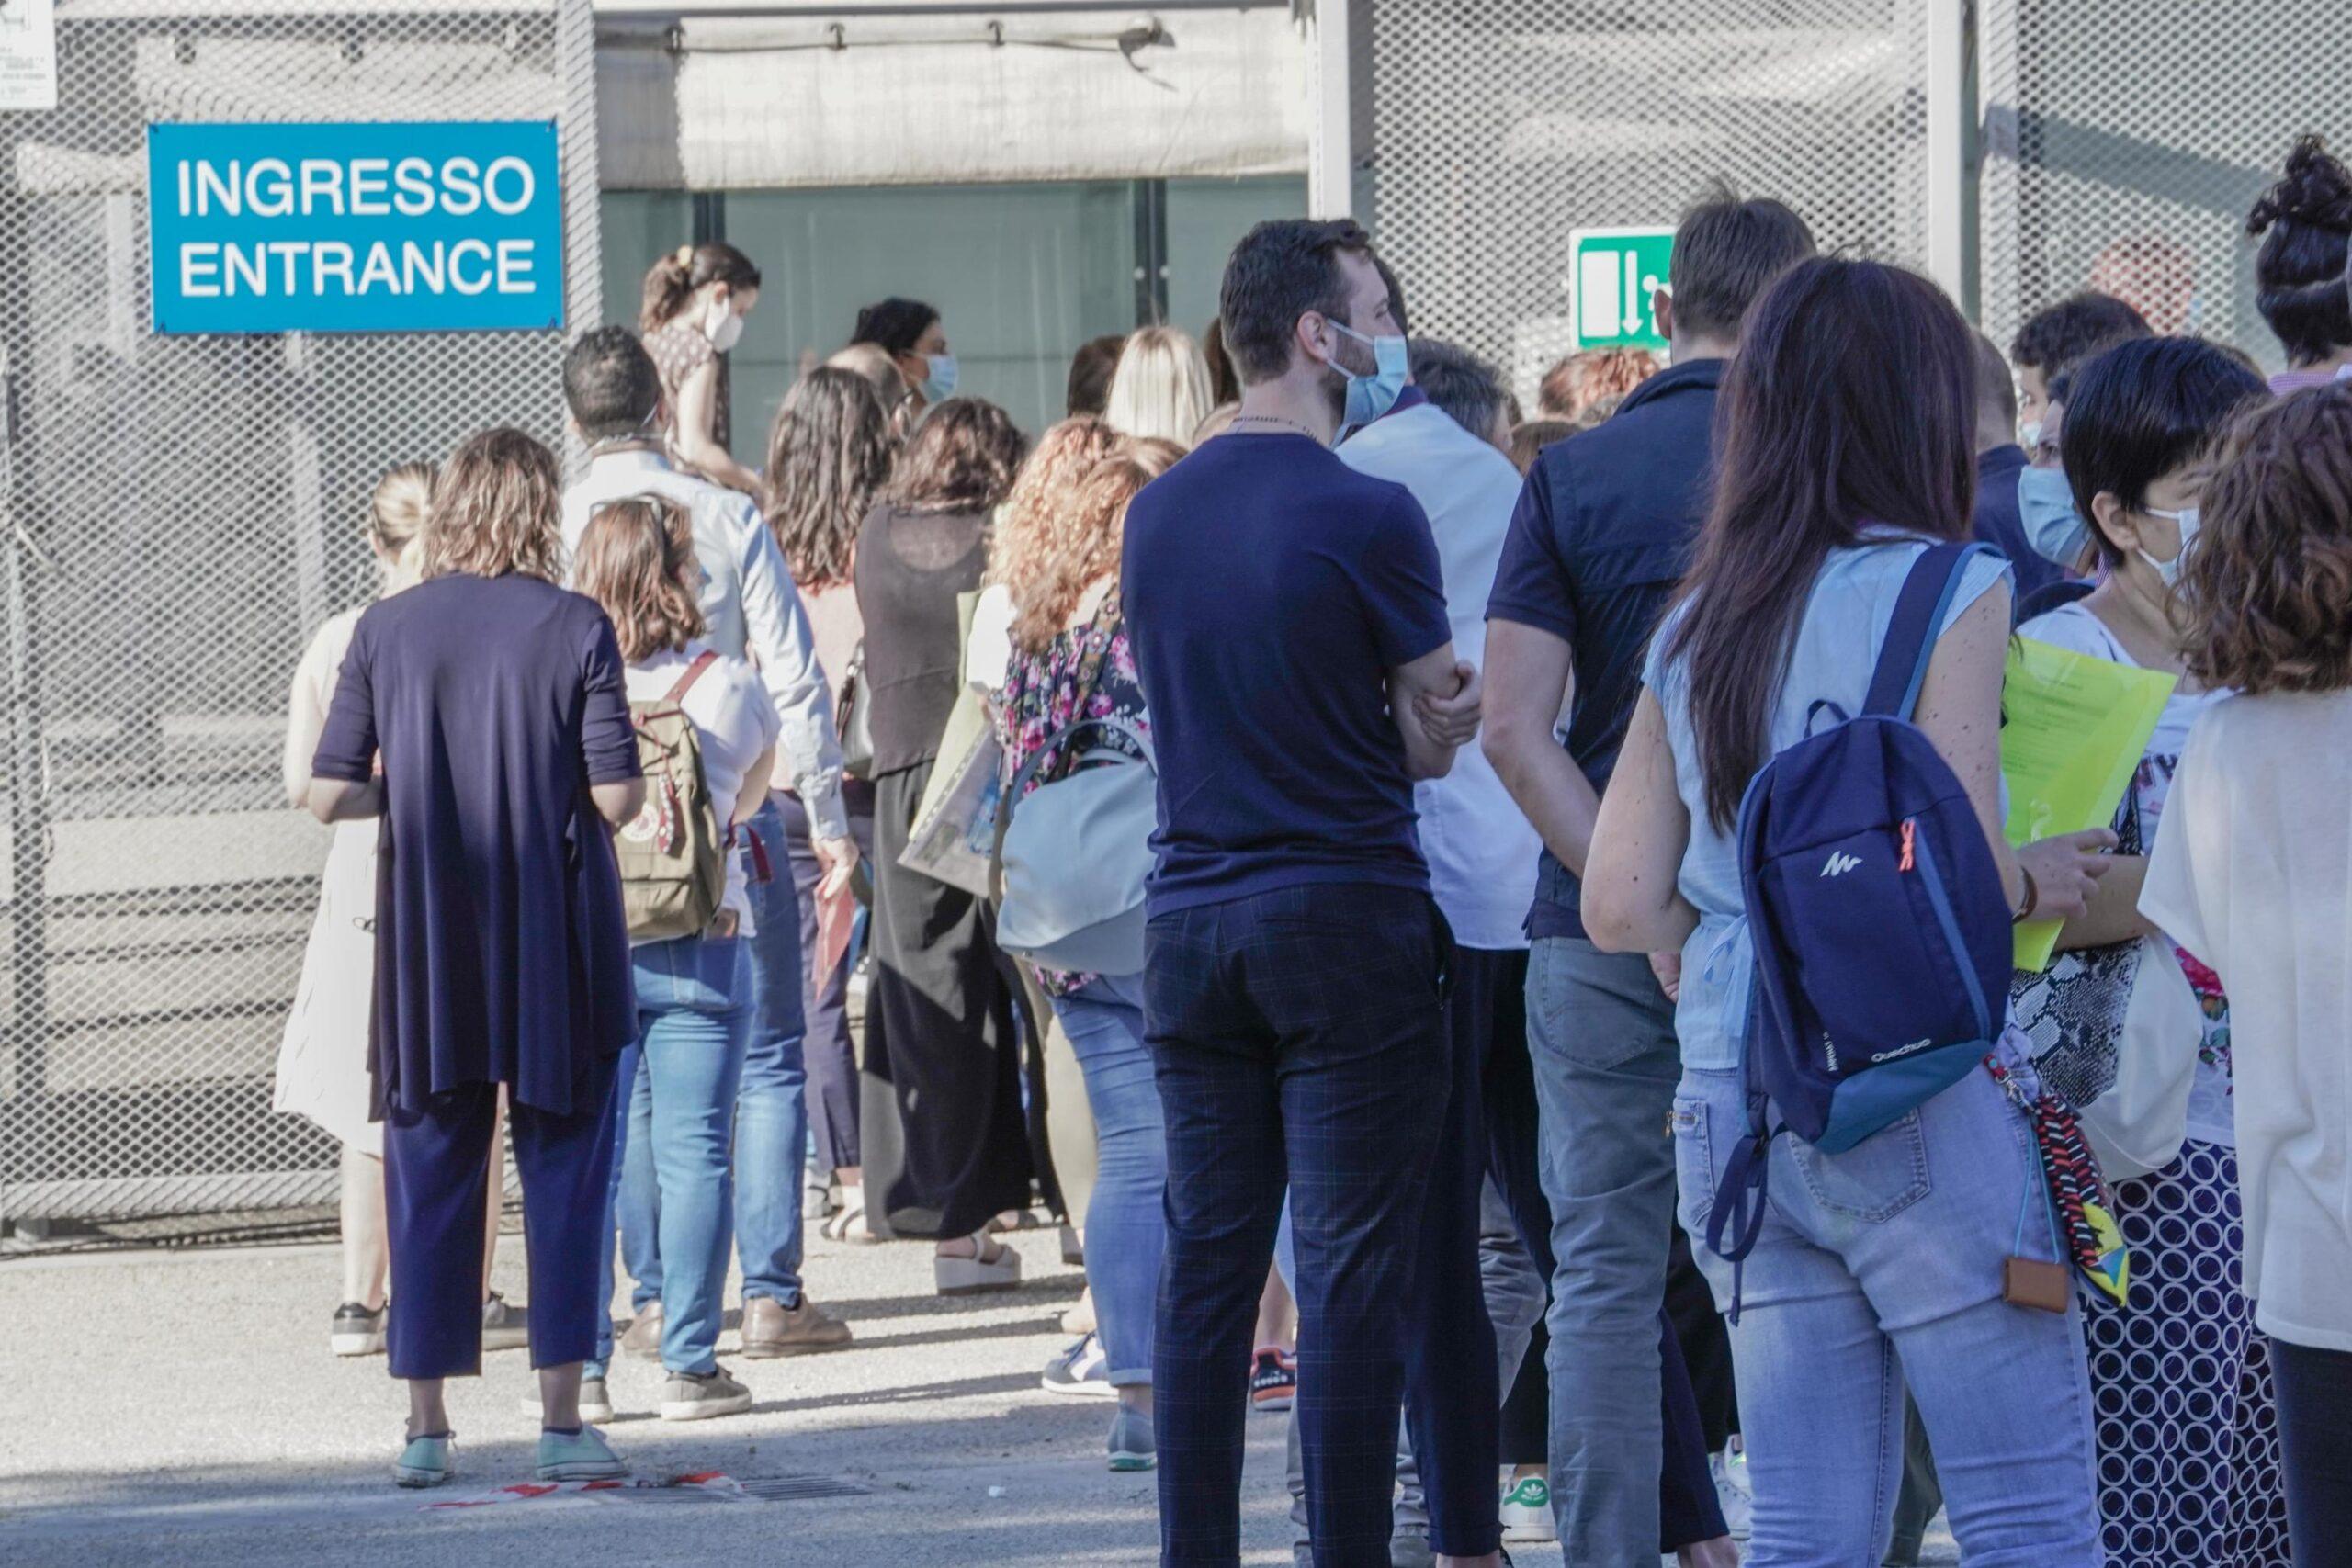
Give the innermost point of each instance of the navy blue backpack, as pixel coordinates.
(1882, 931)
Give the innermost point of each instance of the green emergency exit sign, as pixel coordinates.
(1615, 275)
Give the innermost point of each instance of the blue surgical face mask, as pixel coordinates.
(939, 384)
(2046, 508)
(1371, 396)
(2185, 519)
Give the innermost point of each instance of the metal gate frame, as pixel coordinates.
(177, 517)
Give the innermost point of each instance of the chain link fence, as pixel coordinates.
(2124, 144)
(177, 516)
(1499, 125)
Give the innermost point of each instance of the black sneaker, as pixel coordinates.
(356, 1331)
(1273, 1378)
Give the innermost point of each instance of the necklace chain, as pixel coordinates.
(1290, 425)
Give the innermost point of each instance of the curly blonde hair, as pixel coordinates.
(637, 559)
(1025, 529)
(1088, 530)
(497, 508)
(2268, 581)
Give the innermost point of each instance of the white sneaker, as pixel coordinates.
(1732, 1490)
(1082, 1371)
(1527, 1511)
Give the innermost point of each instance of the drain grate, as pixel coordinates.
(801, 1488)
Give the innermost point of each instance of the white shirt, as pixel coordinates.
(2252, 872)
(1482, 851)
(2077, 627)
(734, 723)
(752, 607)
(988, 653)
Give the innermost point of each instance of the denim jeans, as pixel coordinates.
(1600, 1039)
(1299, 1037)
(693, 1015)
(829, 1051)
(1126, 1223)
(1881, 1267)
(771, 1108)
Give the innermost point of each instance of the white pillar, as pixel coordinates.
(1331, 152)
(1951, 109)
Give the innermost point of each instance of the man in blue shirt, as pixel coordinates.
(1603, 532)
(753, 610)
(1999, 460)
(1289, 623)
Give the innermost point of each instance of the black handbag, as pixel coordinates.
(856, 719)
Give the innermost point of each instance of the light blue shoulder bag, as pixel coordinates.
(1075, 854)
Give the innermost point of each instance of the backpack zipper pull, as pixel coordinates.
(1910, 826)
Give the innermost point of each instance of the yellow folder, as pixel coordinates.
(2073, 730)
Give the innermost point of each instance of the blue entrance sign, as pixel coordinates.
(435, 226)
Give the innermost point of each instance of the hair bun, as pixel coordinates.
(2315, 189)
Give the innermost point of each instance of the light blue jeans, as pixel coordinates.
(1881, 1267)
(693, 1015)
(771, 1107)
(1127, 1226)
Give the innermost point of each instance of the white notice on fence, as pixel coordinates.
(28, 54)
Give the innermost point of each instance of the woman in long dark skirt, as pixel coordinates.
(945, 1146)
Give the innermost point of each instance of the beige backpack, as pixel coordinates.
(674, 851)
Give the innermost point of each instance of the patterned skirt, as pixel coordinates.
(2187, 1430)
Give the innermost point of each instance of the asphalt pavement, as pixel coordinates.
(182, 1407)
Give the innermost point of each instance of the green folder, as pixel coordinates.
(2073, 731)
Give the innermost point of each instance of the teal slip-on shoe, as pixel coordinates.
(579, 1456)
(427, 1461)
(1133, 1444)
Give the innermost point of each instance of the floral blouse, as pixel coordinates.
(1041, 695)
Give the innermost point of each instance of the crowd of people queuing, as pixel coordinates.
(1405, 1090)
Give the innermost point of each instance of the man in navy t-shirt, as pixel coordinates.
(1601, 538)
(1289, 623)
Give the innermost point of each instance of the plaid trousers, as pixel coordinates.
(1298, 1037)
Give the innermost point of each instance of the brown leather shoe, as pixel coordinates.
(771, 1328)
(643, 1339)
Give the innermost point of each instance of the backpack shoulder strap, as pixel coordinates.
(703, 660)
(1918, 615)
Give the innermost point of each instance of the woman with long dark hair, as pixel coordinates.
(946, 1144)
(696, 300)
(1847, 452)
(828, 457)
